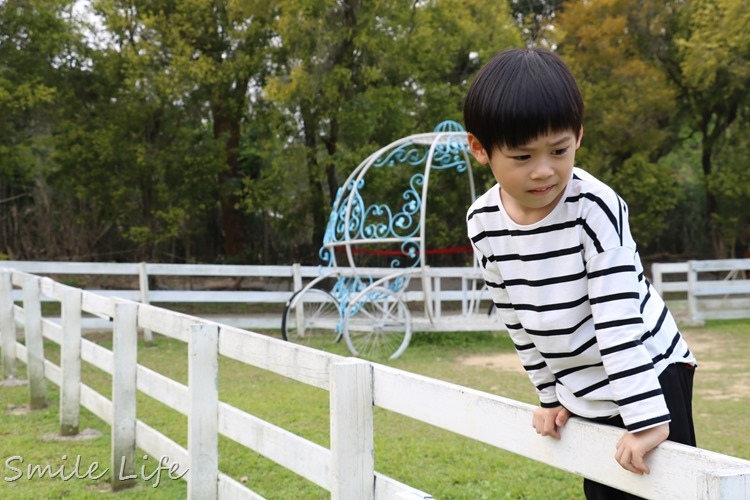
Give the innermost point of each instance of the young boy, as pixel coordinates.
(556, 252)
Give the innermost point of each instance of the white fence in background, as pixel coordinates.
(714, 289)
(356, 387)
(710, 289)
(455, 292)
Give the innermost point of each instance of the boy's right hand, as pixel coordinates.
(547, 420)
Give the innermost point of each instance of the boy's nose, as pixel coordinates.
(542, 171)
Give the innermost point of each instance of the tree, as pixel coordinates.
(37, 55)
(704, 53)
(352, 76)
(629, 110)
(203, 55)
(670, 67)
(164, 134)
(537, 20)
(709, 62)
(730, 185)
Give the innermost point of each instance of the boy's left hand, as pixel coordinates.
(633, 447)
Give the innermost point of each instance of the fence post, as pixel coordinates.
(299, 309)
(656, 278)
(724, 484)
(34, 343)
(70, 362)
(296, 277)
(466, 302)
(203, 419)
(143, 286)
(125, 348)
(352, 457)
(692, 284)
(429, 305)
(7, 325)
(437, 287)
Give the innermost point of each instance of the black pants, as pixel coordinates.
(677, 385)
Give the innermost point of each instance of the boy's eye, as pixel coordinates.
(521, 157)
(560, 152)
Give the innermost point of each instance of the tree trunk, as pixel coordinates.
(317, 197)
(713, 126)
(227, 130)
(331, 147)
(713, 232)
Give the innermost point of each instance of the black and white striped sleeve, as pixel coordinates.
(613, 283)
(533, 363)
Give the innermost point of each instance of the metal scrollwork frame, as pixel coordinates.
(352, 223)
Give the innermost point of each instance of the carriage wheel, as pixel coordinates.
(311, 318)
(377, 325)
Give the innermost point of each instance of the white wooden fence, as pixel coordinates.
(454, 292)
(714, 289)
(705, 289)
(346, 467)
(292, 276)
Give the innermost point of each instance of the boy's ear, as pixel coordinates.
(477, 150)
(580, 136)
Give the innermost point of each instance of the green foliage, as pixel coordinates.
(40, 55)
(537, 20)
(705, 56)
(651, 191)
(715, 48)
(394, 69)
(628, 99)
(730, 184)
(685, 234)
(221, 130)
(450, 41)
(185, 70)
(32, 36)
(650, 71)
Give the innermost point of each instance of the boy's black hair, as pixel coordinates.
(519, 95)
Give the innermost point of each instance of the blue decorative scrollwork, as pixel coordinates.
(450, 152)
(352, 219)
(347, 285)
(407, 153)
(449, 126)
(451, 155)
(399, 283)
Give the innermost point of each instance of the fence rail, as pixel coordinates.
(356, 387)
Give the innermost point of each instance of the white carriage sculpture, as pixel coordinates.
(367, 306)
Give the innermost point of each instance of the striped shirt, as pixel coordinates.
(591, 332)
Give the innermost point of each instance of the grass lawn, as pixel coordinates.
(439, 462)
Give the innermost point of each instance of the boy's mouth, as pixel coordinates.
(541, 191)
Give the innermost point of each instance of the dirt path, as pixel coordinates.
(713, 352)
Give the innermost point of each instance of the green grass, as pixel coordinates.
(722, 386)
(439, 462)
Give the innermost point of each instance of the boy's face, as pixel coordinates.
(533, 176)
